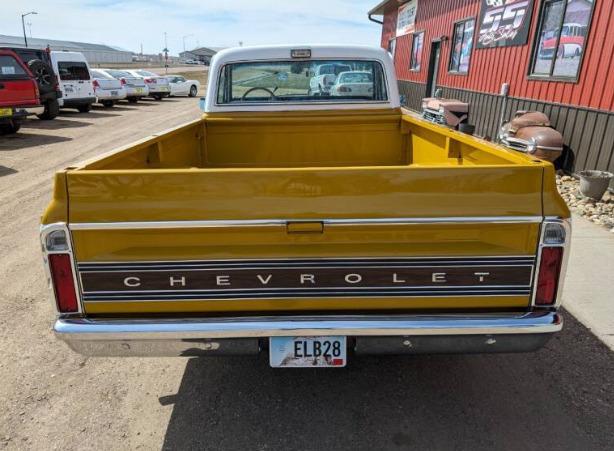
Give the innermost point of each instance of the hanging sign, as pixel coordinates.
(504, 23)
(406, 18)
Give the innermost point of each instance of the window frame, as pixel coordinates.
(411, 55)
(454, 25)
(225, 73)
(535, 46)
(392, 48)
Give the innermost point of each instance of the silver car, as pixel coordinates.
(135, 86)
(159, 86)
(108, 90)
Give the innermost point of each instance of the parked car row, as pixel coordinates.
(41, 82)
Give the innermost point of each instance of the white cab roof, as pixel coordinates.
(283, 52)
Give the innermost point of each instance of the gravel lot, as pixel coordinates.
(561, 397)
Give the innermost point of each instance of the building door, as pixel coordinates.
(431, 83)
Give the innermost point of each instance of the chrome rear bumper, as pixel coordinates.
(380, 334)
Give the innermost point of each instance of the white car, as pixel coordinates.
(158, 85)
(108, 89)
(324, 77)
(353, 84)
(135, 86)
(75, 80)
(180, 86)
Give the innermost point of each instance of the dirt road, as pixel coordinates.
(50, 398)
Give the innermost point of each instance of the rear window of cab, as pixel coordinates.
(10, 68)
(312, 81)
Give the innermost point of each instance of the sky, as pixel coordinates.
(130, 23)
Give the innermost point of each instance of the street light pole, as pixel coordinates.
(23, 26)
(186, 36)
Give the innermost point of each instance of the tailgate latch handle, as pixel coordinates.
(304, 227)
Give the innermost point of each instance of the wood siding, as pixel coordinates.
(489, 68)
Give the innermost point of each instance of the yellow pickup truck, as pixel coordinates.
(309, 224)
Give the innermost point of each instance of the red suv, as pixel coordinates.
(19, 96)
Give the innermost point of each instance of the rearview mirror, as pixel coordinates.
(201, 104)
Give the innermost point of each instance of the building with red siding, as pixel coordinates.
(501, 56)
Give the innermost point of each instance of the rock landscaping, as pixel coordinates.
(600, 212)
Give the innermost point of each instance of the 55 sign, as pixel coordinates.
(504, 23)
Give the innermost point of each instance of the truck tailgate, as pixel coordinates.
(276, 239)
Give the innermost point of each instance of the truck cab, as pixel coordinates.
(310, 227)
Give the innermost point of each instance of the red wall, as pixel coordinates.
(489, 68)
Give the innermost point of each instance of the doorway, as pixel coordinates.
(431, 83)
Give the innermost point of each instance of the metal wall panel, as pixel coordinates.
(588, 132)
(489, 68)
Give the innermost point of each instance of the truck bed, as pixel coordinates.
(265, 188)
(309, 139)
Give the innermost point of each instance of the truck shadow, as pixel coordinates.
(22, 140)
(90, 115)
(558, 398)
(54, 124)
(6, 171)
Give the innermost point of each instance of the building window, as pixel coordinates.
(561, 38)
(416, 51)
(462, 43)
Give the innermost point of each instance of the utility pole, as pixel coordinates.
(165, 54)
(186, 36)
(23, 26)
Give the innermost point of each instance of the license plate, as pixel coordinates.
(113, 93)
(307, 352)
(139, 90)
(4, 112)
(69, 89)
(163, 88)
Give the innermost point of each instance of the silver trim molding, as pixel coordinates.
(284, 222)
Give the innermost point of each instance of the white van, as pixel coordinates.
(75, 80)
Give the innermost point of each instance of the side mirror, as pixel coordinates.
(201, 104)
(403, 99)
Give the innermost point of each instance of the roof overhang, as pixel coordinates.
(380, 8)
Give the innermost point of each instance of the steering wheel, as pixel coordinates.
(256, 88)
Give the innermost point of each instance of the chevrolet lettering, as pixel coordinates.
(306, 215)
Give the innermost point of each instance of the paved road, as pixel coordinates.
(50, 398)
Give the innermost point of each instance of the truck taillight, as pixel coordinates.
(123, 81)
(553, 243)
(63, 283)
(96, 84)
(549, 273)
(58, 257)
(148, 80)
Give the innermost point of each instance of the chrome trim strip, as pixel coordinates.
(348, 261)
(284, 222)
(76, 330)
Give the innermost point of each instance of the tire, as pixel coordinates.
(45, 77)
(84, 108)
(52, 109)
(107, 103)
(193, 91)
(158, 97)
(132, 99)
(11, 127)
